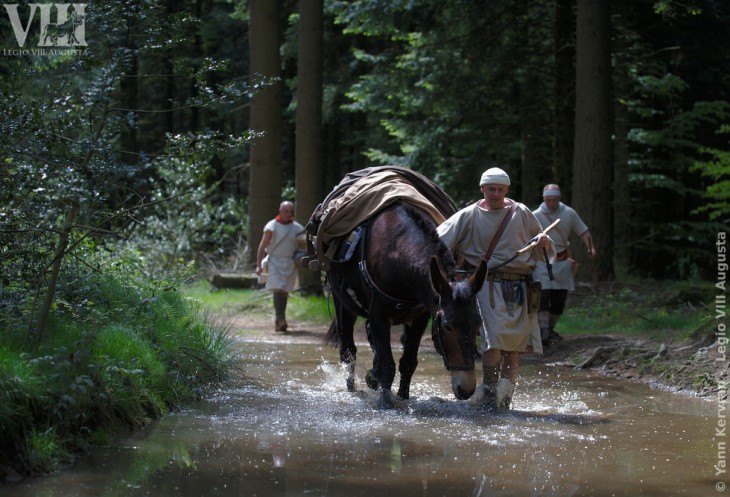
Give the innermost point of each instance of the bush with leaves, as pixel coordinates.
(122, 356)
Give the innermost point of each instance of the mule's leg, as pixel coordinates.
(370, 378)
(348, 350)
(383, 363)
(412, 335)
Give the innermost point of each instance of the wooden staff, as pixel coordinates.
(530, 244)
(533, 241)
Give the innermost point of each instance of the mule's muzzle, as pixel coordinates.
(463, 384)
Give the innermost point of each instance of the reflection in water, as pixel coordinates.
(297, 431)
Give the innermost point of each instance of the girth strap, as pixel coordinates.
(399, 304)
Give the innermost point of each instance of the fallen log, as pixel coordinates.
(234, 280)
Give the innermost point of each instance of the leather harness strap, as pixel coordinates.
(399, 304)
(498, 234)
(495, 239)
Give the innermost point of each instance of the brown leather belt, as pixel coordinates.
(499, 275)
(503, 276)
(562, 256)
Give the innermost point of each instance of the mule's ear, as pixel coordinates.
(438, 280)
(476, 280)
(458, 256)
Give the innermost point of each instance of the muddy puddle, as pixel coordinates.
(292, 429)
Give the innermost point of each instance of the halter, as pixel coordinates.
(436, 335)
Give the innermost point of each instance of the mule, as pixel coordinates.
(402, 273)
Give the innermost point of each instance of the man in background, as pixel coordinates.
(278, 245)
(555, 292)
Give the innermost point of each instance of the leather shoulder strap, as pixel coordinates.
(498, 234)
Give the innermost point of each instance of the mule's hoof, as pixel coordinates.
(372, 383)
(386, 400)
(350, 385)
(280, 325)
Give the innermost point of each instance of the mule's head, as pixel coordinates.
(455, 326)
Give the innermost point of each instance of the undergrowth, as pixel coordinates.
(231, 302)
(109, 363)
(667, 311)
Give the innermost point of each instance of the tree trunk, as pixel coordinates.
(564, 94)
(265, 116)
(309, 161)
(128, 135)
(593, 163)
(530, 156)
(60, 253)
(621, 192)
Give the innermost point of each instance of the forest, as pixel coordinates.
(178, 127)
(149, 141)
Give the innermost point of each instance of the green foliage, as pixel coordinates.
(717, 170)
(438, 93)
(230, 302)
(672, 113)
(185, 217)
(133, 372)
(81, 135)
(45, 450)
(450, 88)
(88, 131)
(672, 312)
(312, 308)
(117, 359)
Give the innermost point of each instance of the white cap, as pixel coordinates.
(494, 176)
(551, 191)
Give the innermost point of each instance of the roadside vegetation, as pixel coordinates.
(663, 311)
(225, 303)
(120, 357)
(674, 311)
(660, 333)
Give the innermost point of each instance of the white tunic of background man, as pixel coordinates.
(280, 242)
(549, 211)
(280, 249)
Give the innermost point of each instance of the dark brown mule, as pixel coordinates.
(401, 273)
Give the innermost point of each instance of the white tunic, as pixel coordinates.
(506, 326)
(570, 222)
(281, 248)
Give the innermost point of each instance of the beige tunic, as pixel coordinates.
(281, 248)
(506, 326)
(570, 222)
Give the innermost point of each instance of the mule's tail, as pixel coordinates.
(333, 336)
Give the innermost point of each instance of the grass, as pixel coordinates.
(666, 311)
(110, 361)
(230, 302)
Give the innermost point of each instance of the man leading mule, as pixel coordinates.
(496, 229)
